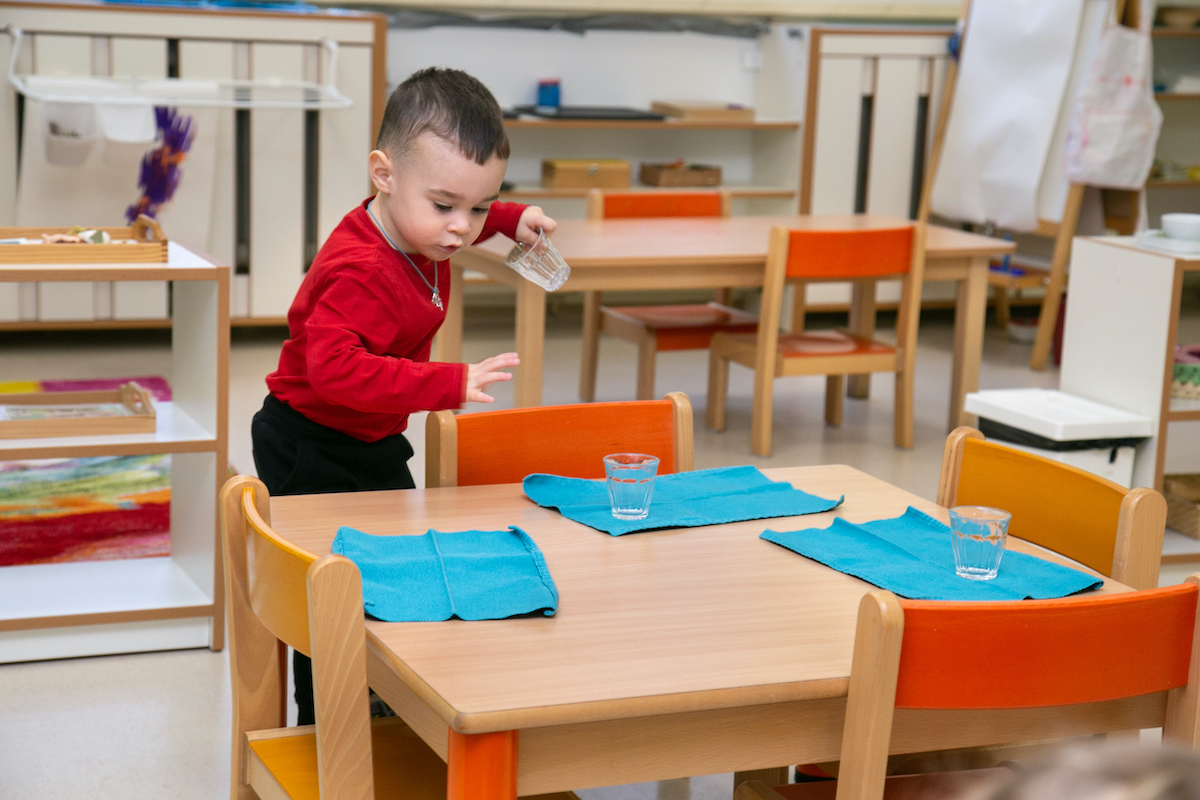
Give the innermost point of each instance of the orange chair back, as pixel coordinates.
(1032, 489)
(505, 446)
(863, 253)
(622, 205)
(1039, 653)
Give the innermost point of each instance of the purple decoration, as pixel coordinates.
(160, 173)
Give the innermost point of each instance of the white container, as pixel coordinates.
(128, 132)
(71, 133)
(1182, 226)
(1061, 417)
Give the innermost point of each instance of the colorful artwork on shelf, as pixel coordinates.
(85, 509)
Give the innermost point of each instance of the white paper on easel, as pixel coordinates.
(1012, 78)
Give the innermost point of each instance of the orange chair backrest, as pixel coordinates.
(1038, 653)
(862, 253)
(1053, 505)
(505, 446)
(622, 205)
(276, 577)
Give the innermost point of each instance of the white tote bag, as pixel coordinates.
(1115, 126)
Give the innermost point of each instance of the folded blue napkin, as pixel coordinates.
(470, 575)
(911, 556)
(682, 500)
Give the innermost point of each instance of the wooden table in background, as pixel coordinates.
(608, 255)
(673, 653)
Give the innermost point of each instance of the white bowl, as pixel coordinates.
(1182, 226)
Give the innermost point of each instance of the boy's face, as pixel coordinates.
(434, 200)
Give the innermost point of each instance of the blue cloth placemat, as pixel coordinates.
(469, 574)
(682, 500)
(911, 556)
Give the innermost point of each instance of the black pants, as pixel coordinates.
(294, 455)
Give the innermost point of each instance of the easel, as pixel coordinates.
(1062, 232)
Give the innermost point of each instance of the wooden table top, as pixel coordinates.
(660, 241)
(650, 623)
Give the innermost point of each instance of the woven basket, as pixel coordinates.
(1183, 503)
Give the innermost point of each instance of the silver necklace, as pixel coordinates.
(435, 298)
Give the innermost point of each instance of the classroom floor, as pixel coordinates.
(156, 725)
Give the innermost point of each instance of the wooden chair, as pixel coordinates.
(281, 595)
(655, 329)
(505, 446)
(824, 255)
(1096, 663)
(1116, 531)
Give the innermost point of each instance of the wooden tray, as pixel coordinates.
(146, 250)
(133, 397)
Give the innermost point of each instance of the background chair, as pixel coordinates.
(824, 255)
(505, 446)
(1089, 664)
(279, 594)
(654, 329)
(1115, 531)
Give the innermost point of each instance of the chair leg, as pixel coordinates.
(1003, 308)
(761, 416)
(834, 399)
(589, 359)
(647, 352)
(904, 409)
(724, 296)
(718, 387)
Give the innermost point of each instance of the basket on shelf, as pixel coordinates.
(1183, 503)
(1186, 380)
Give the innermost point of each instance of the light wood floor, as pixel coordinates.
(156, 725)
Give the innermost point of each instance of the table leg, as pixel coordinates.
(448, 345)
(531, 337)
(862, 323)
(970, 313)
(482, 766)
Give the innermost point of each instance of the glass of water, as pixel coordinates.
(630, 483)
(539, 262)
(978, 535)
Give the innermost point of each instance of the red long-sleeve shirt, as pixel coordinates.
(361, 328)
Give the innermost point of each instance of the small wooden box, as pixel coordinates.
(141, 250)
(680, 175)
(704, 112)
(140, 417)
(1183, 503)
(582, 173)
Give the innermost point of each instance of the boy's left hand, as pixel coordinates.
(533, 219)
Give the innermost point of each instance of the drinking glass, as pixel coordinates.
(978, 534)
(539, 262)
(630, 483)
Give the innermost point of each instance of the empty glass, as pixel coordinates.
(630, 483)
(539, 262)
(978, 534)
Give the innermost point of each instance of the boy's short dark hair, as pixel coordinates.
(450, 104)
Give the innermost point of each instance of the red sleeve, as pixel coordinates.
(502, 218)
(353, 314)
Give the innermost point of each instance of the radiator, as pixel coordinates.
(282, 178)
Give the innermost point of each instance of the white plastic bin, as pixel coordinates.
(1091, 436)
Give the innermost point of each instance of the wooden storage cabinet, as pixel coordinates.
(135, 605)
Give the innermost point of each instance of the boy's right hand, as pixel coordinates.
(483, 374)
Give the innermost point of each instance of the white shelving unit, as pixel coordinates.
(134, 605)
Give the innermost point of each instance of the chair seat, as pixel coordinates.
(678, 327)
(404, 766)
(932, 786)
(284, 766)
(795, 350)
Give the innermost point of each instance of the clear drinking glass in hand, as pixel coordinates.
(539, 263)
(978, 535)
(630, 483)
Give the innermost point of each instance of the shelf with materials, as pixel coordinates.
(522, 192)
(60, 610)
(662, 125)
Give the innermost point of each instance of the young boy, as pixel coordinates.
(357, 360)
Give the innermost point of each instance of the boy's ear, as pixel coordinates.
(379, 165)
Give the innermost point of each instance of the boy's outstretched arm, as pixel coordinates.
(481, 375)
